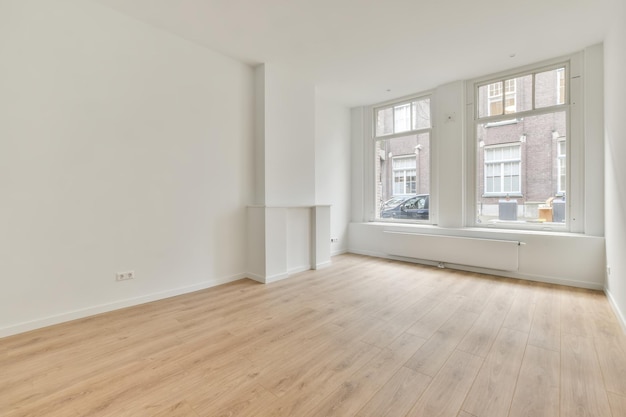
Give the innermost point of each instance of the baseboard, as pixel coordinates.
(116, 305)
(338, 252)
(506, 274)
(276, 277)
(322, 265)
(255, 277)
(620, 317)
(298, 269)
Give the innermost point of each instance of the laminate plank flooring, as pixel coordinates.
(537, 391)
(365, 337)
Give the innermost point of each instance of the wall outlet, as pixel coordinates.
(334, 239)
(124, 276)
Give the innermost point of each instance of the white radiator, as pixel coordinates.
(483, 253)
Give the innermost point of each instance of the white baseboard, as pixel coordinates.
(298, 269)
(255, 277)
(620, 316)
(116, 305)
(322, 265)
(276, 277)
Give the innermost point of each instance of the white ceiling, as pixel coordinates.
(356, 50)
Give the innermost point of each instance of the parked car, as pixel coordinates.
(412, 207)
(395, 201)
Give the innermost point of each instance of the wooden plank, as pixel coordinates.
(582, 386)
(302, 395)
(429, 323)
(538, 386)
(480, 337)
(431, 356)
(495, 384)
(397, 396)
(611, 351)
(446, 393)
(545, 331)
(618, 404)
(361, 386)
(522, 310)
(574, 315)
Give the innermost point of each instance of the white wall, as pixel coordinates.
(447, 147)
(123, 148)
(289, 138)
(332, 167)
(280, 235)
(615, 156)
(545, 257)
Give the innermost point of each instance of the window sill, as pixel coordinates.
(479, 231)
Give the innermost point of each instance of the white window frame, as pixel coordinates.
(502, 162)
(573, 106)
(369, 212)
(399, 104)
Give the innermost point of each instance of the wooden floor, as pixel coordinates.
(366, 337)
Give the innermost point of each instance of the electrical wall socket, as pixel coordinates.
(334, 239)
(124, 276)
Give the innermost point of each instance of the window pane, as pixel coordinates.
(402, 167)
(560, 73)
(490, 99)
(505, 97)
(548, 88)
(402, 118)
(530, 171)
(421, 114)
(384, 121)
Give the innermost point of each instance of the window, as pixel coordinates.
(522, 160)
(402, 133)
(502, 170)
(403, 117)
(497, 101)
(404, 175)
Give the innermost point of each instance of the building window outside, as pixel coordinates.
(502, 170)
(402, 133)
(498, 102)
(404, 170)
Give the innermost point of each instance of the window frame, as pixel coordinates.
(398, 103)
(573, 67)
(371, 212)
